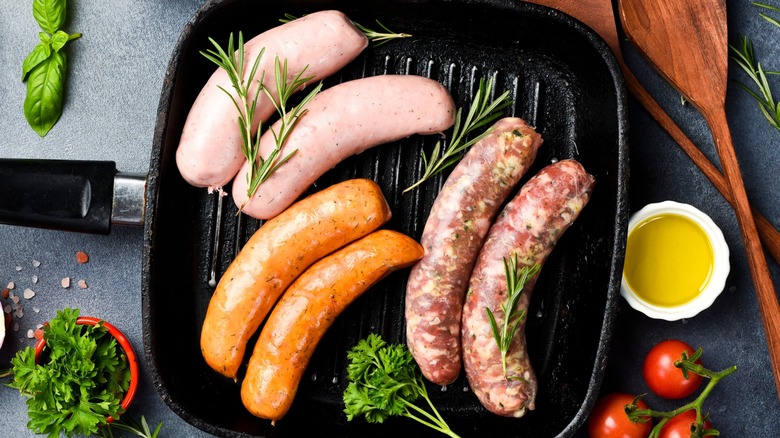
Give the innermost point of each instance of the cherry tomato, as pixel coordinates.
(680, 426)
(609, 418)
(665, 379)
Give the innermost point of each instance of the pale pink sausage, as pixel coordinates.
(209, 152)
(529, 226)
(342, 121)
(454, 232)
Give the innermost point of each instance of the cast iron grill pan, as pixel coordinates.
(562, 80)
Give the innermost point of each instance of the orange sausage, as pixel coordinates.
(275, 255)
(309, 308)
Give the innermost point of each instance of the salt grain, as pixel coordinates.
(30, 334)
(65, 282)
(36, 309)
(18, 268)
(11, 285)
(36, 263)
(7, 308)
(82, 284)
(28, 293)
(15, 299)
(19, 313)
(16, 327)
(34, 279)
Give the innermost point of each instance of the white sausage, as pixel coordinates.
(341, 121)
(209, 152)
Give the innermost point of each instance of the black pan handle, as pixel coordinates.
(57, 194)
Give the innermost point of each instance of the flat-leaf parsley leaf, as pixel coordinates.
(80, 382)
(385, 382)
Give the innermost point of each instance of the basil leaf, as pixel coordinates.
(39, 54)
(50, 14)
(58, 40)
(45, 93)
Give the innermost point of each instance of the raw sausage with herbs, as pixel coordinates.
(275, 255)
(209, 152)
(529, 226)
(342, 121)
(454, 232)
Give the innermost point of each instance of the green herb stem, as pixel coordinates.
(686, 365)
(129, 424)
(232, 61)
(376, 38)
(766, 17)
(516, 279)
(384, 381)
(482, 112)
(745, 59)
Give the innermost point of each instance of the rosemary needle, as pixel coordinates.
(515, 283)
(481, 113)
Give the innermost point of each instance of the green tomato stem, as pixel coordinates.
(715, 377)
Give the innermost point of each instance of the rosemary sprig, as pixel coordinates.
(745, 58)
(767, 17)
(376, 38)
(379, 38)
(515, 283)
(128, 424)
(288, 121)
(232, 62)
(481, 113)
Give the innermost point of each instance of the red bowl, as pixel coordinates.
(123, 342)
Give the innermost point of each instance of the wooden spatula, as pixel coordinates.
(687, 42)
(598, 14)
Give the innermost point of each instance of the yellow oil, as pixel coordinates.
(669, 260)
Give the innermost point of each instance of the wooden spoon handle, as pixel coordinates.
(767, 232)
(765, 291)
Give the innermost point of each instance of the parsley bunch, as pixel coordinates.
(79, 385)
(385, 382)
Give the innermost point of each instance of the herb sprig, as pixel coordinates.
(687, 365)
(80, 385)
(128, 424)
(384, 382)
(767, 17)
(482, 112)
(232, 62)
(516, 279)
(745, 58)
(45, 67)
(376, 38)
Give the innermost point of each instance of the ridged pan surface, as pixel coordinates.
(562, 79)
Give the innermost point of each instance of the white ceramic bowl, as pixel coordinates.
(720, 271)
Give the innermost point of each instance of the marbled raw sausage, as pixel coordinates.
(455, 230)
(529, 226)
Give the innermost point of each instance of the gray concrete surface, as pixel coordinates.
(116, 72)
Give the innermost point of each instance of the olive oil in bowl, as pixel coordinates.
(676, 261)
